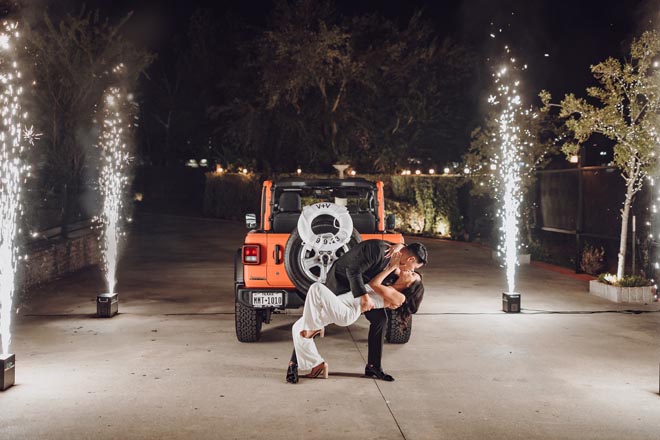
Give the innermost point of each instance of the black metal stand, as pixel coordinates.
(107, 305)
(7, 371)
(511, 302)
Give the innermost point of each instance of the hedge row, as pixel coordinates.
(231, 196)
(434, 198)
(425, 205)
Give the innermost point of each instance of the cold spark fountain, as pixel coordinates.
(13, 170)
(508, 101)
(115, 157)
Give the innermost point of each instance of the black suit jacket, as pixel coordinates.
(357, 267)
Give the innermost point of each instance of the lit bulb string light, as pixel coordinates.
(13, 171)
(113, 179)
(508, 161)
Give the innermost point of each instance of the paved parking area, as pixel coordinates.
(169, 366)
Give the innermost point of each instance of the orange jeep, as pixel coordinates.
(275, 267)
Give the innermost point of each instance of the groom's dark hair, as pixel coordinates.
(419, 251)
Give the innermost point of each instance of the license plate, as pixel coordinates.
(267, 299)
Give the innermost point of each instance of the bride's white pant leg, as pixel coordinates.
(315, 303)
(306, 352)
(322, 307)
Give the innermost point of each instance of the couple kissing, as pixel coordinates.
(371, 277)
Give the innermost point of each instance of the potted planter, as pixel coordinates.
(634, 295)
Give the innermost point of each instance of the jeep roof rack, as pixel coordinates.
(355, 182)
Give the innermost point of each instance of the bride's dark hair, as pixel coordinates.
(414, 295)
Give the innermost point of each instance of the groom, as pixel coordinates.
(350, 273)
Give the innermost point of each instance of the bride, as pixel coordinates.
(323, 307)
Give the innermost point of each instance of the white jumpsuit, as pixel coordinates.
(322, 307)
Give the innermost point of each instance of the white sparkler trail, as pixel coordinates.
(511, 163)
(12, 172)
(115, 157)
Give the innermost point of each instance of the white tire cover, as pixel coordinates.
(327, 241)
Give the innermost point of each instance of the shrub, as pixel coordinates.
(633, 281)
(593, 259)
(409, 218)
(436, 197)
(231, 196)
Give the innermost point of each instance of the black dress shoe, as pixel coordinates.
(292, 373)
(375, 373)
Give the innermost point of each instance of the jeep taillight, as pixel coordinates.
(251, 254)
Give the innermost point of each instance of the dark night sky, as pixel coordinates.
(575, 34)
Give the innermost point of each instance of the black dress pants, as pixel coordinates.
(378, 320)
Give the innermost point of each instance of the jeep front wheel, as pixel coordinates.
(248, 323)
(396, 333)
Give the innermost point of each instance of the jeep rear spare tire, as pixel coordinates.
(304, 264)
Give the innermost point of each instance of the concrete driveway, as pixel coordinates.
(169, 366)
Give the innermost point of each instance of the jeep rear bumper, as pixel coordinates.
(291, 299)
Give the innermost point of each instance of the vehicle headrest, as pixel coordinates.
(290, 202)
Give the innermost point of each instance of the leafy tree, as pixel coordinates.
(307, 56)
(359, 89)
(626, 110)
(72, 65)
(414, 106)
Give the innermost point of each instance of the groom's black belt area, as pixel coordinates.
(265, 298)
